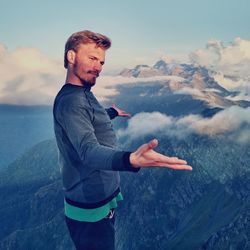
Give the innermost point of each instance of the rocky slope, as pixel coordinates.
(162, 209)
(32, 202)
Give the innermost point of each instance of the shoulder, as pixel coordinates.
(71, 101)
(71, 96)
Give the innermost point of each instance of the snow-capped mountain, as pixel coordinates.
(141, 71)
(196, 81)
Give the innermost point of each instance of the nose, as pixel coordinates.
(98, 67)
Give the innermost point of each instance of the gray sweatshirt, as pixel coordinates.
(88, 158)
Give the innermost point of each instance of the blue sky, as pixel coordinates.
(141, 31)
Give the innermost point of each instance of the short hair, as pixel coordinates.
(84, 37)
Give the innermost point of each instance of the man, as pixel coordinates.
(89, 160)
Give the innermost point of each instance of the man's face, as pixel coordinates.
(88, 63)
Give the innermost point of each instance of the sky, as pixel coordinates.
(141, 31)
(214, 34)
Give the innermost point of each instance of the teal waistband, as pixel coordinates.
(91, 214)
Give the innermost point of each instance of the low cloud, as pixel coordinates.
(106, 85)
(146, 123)
(227, 122)
(190, 91)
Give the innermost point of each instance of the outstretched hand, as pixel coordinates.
(145, 156)
(120, 111)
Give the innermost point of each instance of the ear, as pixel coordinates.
(71, 54)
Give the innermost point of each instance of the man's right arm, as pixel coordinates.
(76, 119)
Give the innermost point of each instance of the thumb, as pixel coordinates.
(147, 146)
(153, 144)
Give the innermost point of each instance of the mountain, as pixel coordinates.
(196, 81)
(21, 128)
(166, 209)
(206, 209)
(179, 210)
(32, 201)
(141, 71)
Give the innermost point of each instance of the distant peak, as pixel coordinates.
(141, 66)
(160, 63)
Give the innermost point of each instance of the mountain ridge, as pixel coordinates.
(198, 81)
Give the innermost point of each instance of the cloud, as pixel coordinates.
(106, 85)
(230, 63)
(231, 60)
(152, 122)
(190, 91)
(28, 76)
(227, 122)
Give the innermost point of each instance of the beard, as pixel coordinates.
(94, 74)
(88, 82)
(85, 80)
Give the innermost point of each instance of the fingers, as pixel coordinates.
(174, 166)
(120, 111)
(181, 167)
(126, 114)
(167, 160)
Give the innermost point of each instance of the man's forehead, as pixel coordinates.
(91, 48)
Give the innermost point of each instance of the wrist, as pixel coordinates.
(132, 160)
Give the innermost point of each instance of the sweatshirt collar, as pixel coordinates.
(86, 86)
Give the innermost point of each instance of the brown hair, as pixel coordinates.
(83, 37)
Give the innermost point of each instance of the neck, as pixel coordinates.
(71, 78)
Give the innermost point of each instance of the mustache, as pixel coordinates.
(95, 72)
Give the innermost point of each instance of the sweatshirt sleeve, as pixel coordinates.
(75, 119)
(112, 113)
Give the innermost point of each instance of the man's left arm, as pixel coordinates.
(114, 111)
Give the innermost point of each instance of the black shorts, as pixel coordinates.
(98, 235)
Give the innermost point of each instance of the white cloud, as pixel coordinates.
(146, 123)
(106, 85)
(28, 76)
(231, 62)
(225, 121)
(228, 121)
(212, 90)
(168, 59)
(228, 82)
(190, 91)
